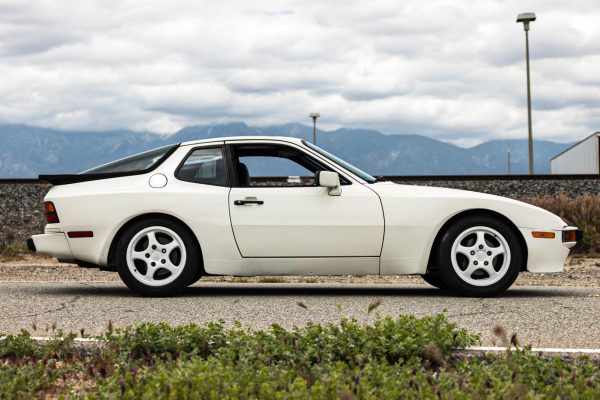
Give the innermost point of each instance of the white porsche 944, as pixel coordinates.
(248, 206)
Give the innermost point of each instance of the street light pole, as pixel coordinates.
(526, 18)
(508, 162)
(314, 117)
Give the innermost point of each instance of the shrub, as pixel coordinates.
(392, 339)
(24, 381)
(23, 346)
(516, 375)
(582, 211)
(317, 360)
(29, 366)
(404, 357)
(12, 252)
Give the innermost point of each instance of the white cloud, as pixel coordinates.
(450, 70)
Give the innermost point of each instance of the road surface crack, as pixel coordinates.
(560, 304)
(485, 310)
(90, 285)
(62, 306)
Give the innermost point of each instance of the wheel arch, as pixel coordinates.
(473, 212)
(112, 252)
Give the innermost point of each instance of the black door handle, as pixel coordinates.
(243, 202)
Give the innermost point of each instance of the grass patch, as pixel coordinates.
(404, 357)
(582, 211)
(271, 279)
(13, 252)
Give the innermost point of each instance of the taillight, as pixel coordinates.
(51, 215)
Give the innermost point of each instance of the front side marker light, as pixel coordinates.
(573, 235)
(543, 235)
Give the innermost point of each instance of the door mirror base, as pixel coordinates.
(336, 191)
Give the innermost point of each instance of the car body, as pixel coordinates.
(298, 210)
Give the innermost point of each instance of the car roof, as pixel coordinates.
(239, 138)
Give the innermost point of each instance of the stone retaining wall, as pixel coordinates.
(517, 189)
(21, 213)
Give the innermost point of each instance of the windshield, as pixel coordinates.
(363, 175)
(136, 163)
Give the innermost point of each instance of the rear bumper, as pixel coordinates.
(51, 244)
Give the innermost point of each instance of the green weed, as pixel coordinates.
(403, 357)
(12, 252)
(271, 279)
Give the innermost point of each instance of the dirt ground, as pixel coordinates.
(578, 272)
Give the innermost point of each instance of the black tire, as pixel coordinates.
(434, 280)
(197, 277)
(496, 235)
(185, 277)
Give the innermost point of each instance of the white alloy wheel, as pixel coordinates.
(480, 256)
(156, 256)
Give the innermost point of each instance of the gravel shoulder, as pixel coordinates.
(578, 272)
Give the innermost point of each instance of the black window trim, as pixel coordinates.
(229, 159)
(322, 156)
(207, 146)
(344, 181)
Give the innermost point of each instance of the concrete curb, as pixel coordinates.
(471, 349)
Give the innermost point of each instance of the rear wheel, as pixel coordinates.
(157, 257)
(479, 256)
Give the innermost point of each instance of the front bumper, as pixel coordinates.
(549, 253)
(51, 244)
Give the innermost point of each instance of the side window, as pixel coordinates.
(204, 166)
(273, 165)
(275, 171)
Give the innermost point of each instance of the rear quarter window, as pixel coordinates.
(205, 165)
(137, 163)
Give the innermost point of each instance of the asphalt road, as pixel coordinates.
(541, 316)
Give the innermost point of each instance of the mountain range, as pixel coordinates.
(27, 151)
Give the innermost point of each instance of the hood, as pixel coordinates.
(522, 214)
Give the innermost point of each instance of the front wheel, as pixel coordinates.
(157, 257)
(479, 256)
(434, 280)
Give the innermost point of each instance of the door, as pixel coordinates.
(278, 211)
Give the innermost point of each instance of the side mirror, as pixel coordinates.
(329, 180)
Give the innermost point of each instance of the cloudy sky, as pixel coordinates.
(453, 70)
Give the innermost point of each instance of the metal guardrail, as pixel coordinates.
(400, 178)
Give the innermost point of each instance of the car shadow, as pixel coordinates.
(383, 291)
(283, 290)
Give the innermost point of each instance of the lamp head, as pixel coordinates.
(526, 18)
(314, 115)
